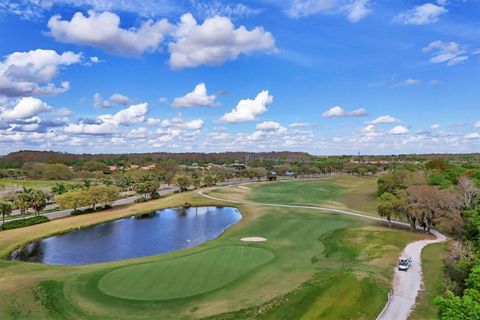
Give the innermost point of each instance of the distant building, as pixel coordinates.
(148, 168)
(290, 173)
(238, 166)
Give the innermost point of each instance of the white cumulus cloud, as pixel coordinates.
(384, 119)
(214, 42)
(90, 128)
(32, 72)
(115, 99)
(119, 99)
(248, 109)
(102, 30)
(25, 108)
(472, 136)
(338, 111)
(133, 114)
(108, 124)
(399, 130)
(270, 126)
(197, 98)
(423, 14)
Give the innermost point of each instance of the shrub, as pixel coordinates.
(141, 200)
(24, 222)
(436, 179)
(90, 210)
(155, 195)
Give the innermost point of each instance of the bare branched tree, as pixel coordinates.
(469, 192)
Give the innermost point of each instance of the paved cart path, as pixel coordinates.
(407, 284)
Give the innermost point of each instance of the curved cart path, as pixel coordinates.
(405, 284)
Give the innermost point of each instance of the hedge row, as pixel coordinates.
(90, 210)
(24, 222)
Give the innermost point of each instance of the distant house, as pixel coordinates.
(238, 166)
(290, 173)
(148, 168)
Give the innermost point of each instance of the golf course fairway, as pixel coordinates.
(313, 264)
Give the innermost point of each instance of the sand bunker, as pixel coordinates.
(253, 239)
(243, 187)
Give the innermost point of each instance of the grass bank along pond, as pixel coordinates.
(161, 231)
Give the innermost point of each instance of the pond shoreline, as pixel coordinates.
(163, 231)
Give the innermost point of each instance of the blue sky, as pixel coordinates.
(322, 76)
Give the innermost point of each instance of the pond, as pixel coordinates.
(159, 232)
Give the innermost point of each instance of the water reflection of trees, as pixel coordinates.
(34, 252)
(145, 215)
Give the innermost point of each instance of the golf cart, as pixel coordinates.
(403, 264)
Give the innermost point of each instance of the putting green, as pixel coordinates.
(186, 276)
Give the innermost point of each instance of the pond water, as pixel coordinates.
(159, 232)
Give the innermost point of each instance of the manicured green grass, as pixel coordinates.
(185, 276)
(296, 192)
(34, 183)
(313, 265)
(432, 265)
(331, 294)
(342, 192)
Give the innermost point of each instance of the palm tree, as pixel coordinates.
(107, 182)
(38, 201)
(59, 188)
(146, 177)
(87, 183)
(5, 209)
(26, 190)
(23, 199)
(128, 182)
(161, 176)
